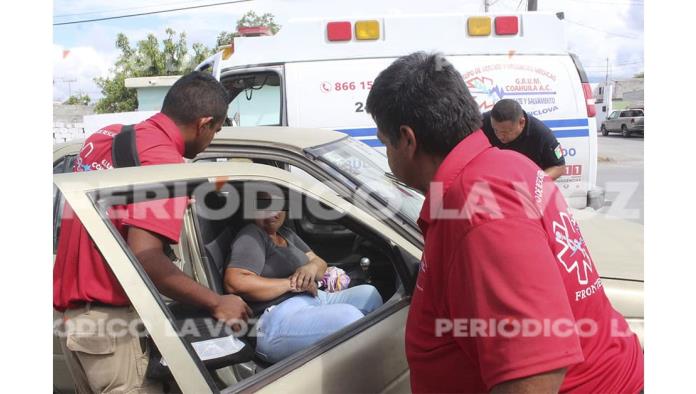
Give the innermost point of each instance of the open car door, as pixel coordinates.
(366, 356)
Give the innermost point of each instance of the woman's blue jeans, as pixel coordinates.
(303, 320)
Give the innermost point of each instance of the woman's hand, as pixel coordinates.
(311, 288)
(303, 277)
(308, 273)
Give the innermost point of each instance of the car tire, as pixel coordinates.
(605, 132)
(624, 131)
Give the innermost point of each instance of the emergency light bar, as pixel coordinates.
(343, 31)
(477, 26)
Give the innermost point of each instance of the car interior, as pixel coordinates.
(345, 243)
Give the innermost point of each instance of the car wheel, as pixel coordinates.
(605, 132)
(624, 131)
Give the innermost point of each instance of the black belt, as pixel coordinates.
(101, 304)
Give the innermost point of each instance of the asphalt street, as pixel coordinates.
(620, 173)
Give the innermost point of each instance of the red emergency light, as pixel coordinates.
(589, 100)
(506, 25)
(254, 31)
(339, 31)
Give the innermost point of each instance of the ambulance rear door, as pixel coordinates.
(549, 88)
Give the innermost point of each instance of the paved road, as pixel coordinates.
(620, 173)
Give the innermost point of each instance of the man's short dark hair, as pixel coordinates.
(196, 95)
(425, 92)
(507, 109)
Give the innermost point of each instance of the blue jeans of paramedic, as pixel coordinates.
(303, 320)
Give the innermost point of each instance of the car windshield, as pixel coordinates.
(368, 170)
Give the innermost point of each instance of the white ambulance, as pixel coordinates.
(318, 72)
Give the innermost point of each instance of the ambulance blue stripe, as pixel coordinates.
(571, 133)
(583, 122)
(368, 132)
(566, 133)
(375, 143)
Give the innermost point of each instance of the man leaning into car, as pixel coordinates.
(85, 290)
(497, 305)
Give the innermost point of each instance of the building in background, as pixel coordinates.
(151, 90)
(68, 121)
(79, 121)
(617, 95)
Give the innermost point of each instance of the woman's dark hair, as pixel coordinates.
(425, 92)
(196, 95)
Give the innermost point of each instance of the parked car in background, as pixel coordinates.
(627, 122)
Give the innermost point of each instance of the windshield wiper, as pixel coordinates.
(394, 179)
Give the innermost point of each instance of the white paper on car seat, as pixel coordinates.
(215, 348)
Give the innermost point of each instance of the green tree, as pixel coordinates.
(640, 75)
(79, 99)
(148, 58)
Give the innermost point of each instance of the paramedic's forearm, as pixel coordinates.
(170, 281)
(555, 172)
(173, 283)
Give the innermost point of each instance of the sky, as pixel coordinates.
(596, 29)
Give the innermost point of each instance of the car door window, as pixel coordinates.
(369, 258)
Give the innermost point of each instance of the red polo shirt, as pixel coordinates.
(80, 273)
(507, 287)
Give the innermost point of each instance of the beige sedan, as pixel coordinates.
(347, 208)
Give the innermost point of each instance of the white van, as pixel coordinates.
(318, 72)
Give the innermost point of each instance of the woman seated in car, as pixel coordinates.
(277, 273)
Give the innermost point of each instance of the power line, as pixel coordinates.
(597, 69)
(126, 9)
(604, 31)
(617, 64)
(150, 13)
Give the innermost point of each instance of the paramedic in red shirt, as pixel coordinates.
(508, 298)
(84, 289)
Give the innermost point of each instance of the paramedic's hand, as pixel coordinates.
(232, 310)
(303, 277)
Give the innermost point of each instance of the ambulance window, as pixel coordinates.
(256, 99)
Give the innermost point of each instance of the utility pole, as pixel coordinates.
(485, 5)
(68, 81)
(606, 78)
(531, 5)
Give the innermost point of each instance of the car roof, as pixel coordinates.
(67, 148)
(292, 138)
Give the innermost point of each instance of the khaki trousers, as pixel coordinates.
(104, 352)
